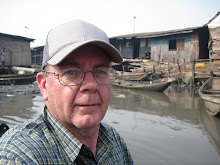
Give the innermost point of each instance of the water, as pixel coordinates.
(167, 128)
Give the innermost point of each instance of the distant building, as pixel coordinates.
(17, 48)
(37, 55)
(214, 39)
(166, 46)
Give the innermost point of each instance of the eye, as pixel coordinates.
(72, 73)
(101, 71)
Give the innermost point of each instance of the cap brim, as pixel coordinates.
(113, 53)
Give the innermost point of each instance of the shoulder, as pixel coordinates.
(31, 126)
(32, 129)
(22, 141)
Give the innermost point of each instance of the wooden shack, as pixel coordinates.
(166, 46)
(18, 52)
(37, 55)
(214, 40)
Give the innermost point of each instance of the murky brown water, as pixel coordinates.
(166, 128)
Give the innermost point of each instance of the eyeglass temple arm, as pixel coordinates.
(55, 74)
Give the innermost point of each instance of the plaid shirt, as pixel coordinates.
(43, 140)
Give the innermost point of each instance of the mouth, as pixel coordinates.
(87, 105)
(90, 105)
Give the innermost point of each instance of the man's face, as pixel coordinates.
(84, 105)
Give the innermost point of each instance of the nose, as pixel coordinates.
(89, 83)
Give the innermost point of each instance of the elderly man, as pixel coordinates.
(76, 85)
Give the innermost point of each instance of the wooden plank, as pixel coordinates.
(212, 91)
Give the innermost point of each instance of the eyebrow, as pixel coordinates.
(66, 64)
(101, 65)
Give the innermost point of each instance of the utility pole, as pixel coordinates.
(26, 30)
(134, 23)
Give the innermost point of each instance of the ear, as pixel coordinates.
(42, 83)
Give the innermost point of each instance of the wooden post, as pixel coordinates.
(123, 69)
(184, 63)
(168, 69)
(160, 68)
(153, 69)
(193, 74)
(178, 66)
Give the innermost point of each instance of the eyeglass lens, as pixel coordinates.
(74, 76)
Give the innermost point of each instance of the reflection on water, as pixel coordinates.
(211, 126)
(16, 109)
(166, 128)
(178, 105)
(19, 103)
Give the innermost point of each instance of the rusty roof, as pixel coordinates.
(157, 34)
(17, 37)
(212, 19)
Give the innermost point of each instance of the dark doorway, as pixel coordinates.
(203, 43)
(136, 46)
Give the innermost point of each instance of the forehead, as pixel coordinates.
(87, 55)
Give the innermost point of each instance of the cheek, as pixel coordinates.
(106, 94)
(66, 95)
(61, 96)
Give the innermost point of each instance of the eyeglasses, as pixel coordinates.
(75, 76)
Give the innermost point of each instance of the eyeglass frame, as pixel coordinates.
(57, 74)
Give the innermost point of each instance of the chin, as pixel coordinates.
(88, 122)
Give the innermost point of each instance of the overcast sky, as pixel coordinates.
(115, 17)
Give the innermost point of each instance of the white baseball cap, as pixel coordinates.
(64, 39)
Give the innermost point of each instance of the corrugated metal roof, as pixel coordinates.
(214, 22)
(157, 34)
(17, 37)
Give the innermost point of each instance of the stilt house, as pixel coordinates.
(166, 46)
(18, 52)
